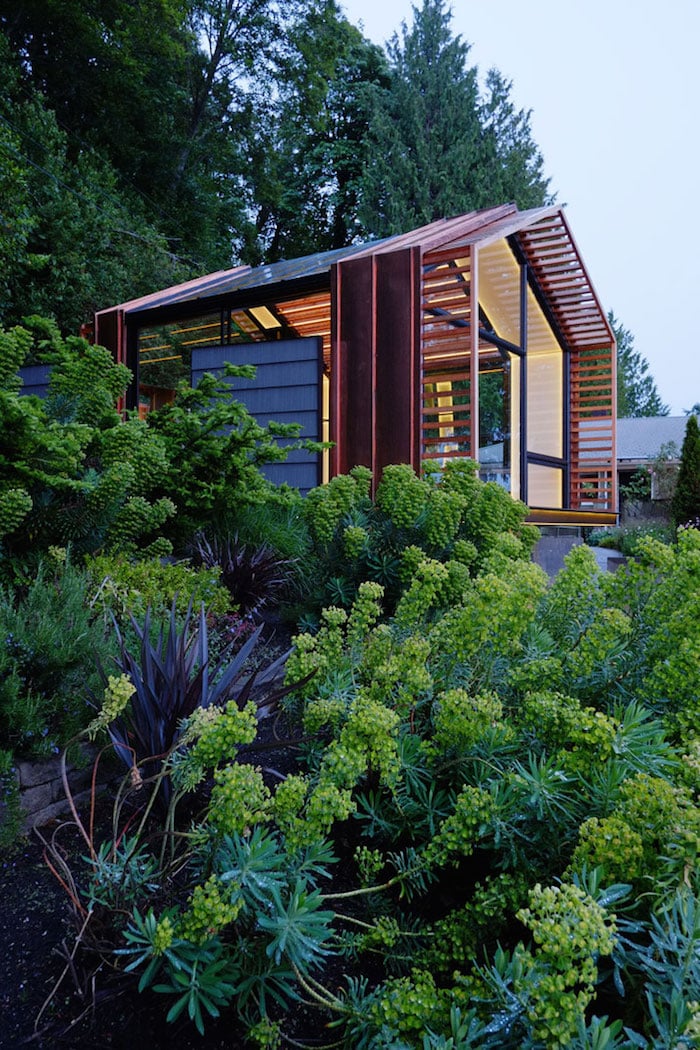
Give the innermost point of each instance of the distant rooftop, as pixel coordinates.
(641, 438)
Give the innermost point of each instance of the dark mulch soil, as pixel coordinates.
(48, 1000)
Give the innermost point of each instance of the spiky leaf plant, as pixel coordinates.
(172, 677)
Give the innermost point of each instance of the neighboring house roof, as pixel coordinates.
(641, 438)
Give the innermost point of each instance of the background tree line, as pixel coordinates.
(143, 142)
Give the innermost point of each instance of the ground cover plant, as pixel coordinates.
(489, 835)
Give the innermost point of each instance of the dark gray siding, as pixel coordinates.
(286, 389)
(35, 380)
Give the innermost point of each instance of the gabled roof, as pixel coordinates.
(542, 234)
(640, 438)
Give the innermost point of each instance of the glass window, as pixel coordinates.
(499, 290)
(446, 429)
(165, 351)
(544, 486)
(545, 385)
(494, 415)
(515, 367)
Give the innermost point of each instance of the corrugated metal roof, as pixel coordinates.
(198, 287)
(641, 438)
(542, 233)
(241, 278)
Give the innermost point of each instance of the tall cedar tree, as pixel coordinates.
(636, 390)
(436, 147)
(685, 505)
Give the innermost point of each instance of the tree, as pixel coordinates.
(115, 74)
(436, 147)
(158, 91)
(636, 390)
(685, 505)
(71, 241)
(308, 137)
(516, 166)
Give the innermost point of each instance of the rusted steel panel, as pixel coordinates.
(352, 366)
(109, 332)
(395, 360)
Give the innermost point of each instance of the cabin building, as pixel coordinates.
(479, 337)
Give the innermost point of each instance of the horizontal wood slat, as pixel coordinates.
(446, 344)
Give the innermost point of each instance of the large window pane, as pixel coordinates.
(544, 486)
(545, 385)
(499, 290)
(494, 416)
(515, 445)
(165, 354)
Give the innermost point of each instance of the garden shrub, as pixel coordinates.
(74, 472)
(214, 451)
(129, 586)
(626, 538)
(255, 576)
(10, 816)
(685, 504)
(52, 450)
(51, 638)
(453, 519)
(507, 770)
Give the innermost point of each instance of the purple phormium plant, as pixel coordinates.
(254, 576)
(172, 677)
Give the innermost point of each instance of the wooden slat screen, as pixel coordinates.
(554, 261)
(310, 316)
(592, 438)
(446, 431)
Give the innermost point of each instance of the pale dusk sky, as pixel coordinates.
(614, 89)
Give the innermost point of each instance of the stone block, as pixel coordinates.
(33, 773)
(37, 798)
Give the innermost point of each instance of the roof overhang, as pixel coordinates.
(542, 236)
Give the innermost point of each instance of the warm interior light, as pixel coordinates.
(264, 317)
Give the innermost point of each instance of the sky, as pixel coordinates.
(614, 92)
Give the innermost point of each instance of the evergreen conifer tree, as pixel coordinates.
(636, 389)
(685, 505)
(436, 147)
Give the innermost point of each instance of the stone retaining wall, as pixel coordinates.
(41, 793)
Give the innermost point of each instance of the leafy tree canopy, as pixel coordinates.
(144, 142)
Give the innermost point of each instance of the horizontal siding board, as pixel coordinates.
(35, 380)
(308, 421)
(286, 389)
(271, 400)
(282, 351)
(298, 476)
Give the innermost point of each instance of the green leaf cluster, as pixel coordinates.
(49, 640)
(419, 538)
(511, 778)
